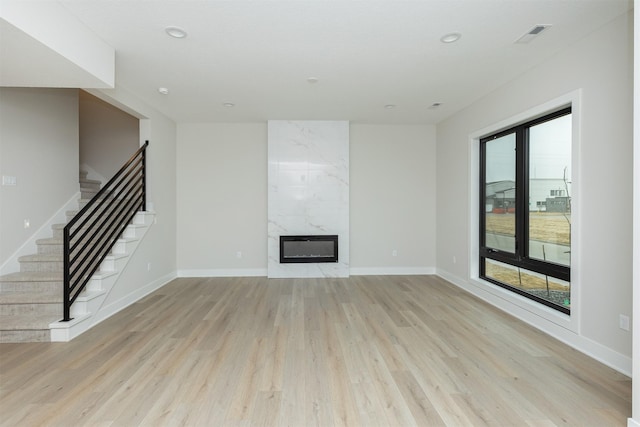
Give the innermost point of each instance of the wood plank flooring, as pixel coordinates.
(363, 351)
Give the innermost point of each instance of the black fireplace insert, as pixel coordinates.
(306, 249)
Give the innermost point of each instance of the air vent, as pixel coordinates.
(532, 33)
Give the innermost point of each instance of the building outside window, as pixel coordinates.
(525, 217)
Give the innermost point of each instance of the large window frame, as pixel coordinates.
(519, 258)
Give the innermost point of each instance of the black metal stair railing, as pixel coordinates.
(92, 233)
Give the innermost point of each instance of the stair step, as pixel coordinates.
(89, 188)
(34, 281)
(25, 297)
(72, 213)
(58, 230)
(9, 323)
(50, 246)
(18, 303)
(82, 202)
(89, 183)
(35, 276)
(88, 193)
(41, 263)
(31, 300)
(26, 328)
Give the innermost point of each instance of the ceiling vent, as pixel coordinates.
(532, 33)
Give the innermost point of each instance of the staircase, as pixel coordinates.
(88, 187)
(31, 300)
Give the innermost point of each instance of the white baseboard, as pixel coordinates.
(632, 423)
(605, 355)
(29, 247)
(391, 271)
(253, 272)
(239, 272)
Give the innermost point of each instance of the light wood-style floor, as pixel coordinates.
(363, 351)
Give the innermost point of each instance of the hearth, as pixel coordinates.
(308, 249)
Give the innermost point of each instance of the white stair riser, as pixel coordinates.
(113, 263)
(90, 303)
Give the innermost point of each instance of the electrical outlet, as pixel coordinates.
(454, 259)
(27, 223)
(239, 254)
(394, 252)
(148, 266)
(624, 322)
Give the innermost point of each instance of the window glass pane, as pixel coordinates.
(550, 289)
(550, 191)
(500, 192)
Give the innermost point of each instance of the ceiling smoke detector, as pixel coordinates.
(532, 34)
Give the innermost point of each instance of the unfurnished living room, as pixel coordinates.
(319, 213)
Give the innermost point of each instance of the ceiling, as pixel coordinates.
(365, 55)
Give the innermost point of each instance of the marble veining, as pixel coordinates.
(308, 191)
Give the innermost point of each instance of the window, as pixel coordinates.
(525, 212)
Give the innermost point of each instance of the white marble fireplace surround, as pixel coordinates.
(308, 194)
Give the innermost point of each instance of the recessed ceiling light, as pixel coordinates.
(390, 106)
(176, 32)
(450, 38)
(313, 80)
(229, 104)
(163, 90)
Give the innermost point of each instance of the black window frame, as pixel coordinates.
(520, 257)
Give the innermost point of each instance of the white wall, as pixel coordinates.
(158, 249)
(601, 66)
(108, 137)
(393, 191)
(222, 178)
(222, 199)
(38, 146)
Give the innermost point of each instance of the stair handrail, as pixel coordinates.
(91, 234)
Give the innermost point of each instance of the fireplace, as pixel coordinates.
(308, 249)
